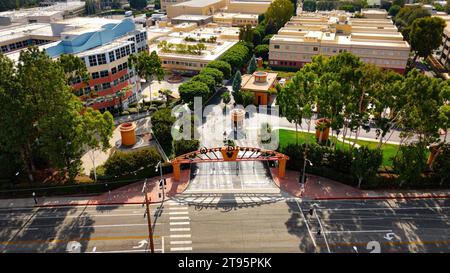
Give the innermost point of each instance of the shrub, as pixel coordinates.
(123, 163)
(244, 98)
(162, 121)
(191, 89)
(207, 79)
(226, 97)
(213, 72)
(410, 163)
(222, 66)
(133, 110)
(181, 147)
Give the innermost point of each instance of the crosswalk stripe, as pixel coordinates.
(179, 217)
(178, 212)
(180, 229)
(179, 223)
(180, 242)
(181, 249)
(178, 208)
(180, 235)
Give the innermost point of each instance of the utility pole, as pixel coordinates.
(149, 220)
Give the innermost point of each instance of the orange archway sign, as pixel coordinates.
(229, 153)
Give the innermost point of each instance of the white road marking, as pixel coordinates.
(94, 249)
(78, 216)
(307, 226)
(181, 249)
(124, 251)
(162, 244)
(386, 208)
(180, 229)
(323, 230)
(179, 223)
(360, 231)
(178, 208)
(180, 242)
(178, 212)
(179, 218)
(180, 235)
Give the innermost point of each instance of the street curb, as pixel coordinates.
(383, 197)
(94, 204)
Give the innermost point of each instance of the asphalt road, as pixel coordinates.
(280, 226)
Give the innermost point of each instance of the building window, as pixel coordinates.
(122, 52)
(276, 46)
(92, 61)
(118, 54)
(101, 59)
(106, 85)
(128, 50)
(95, 75)
(112, 58)
(113, 70)
(104, 73)
(133, 48)
(315, 48)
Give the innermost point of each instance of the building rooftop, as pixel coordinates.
(15, 32)
(198, 3)
(249, 81)
(192, 17)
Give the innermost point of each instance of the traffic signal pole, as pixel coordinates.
(149, 220)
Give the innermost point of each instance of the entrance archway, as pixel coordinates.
(229, 154)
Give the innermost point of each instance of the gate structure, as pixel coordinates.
(227, 154)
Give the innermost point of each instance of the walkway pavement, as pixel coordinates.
(320, 188)
(130, 194)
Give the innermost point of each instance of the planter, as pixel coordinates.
(322, 130)
(128, 133)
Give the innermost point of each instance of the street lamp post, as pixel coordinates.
(149, 220)
(163, 185)
(34, 197)
(304, 169)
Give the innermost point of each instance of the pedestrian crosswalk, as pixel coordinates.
(180, 227)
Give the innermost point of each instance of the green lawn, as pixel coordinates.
(389, 150)
(288, 137)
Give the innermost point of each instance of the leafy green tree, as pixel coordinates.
(309, 5)
(444, 117)
(208, 80)
(406, 16)
(237, 80)
(421, 106)
(393, 10)
(297, 97)
(410, 162)
(191, 89)
(280, 11)
(97, 130)
(213, 72)
(266, 39)
(262, 51)
(365, 163)
(162, 121)
(147, 66)
(251, 65)
(237, 56)
(270, 28)
(399, 3)
(426, 35)
(441, 165)
(74, 68)
(125, 163)
(138, 4)
(224, 67)
(246, 33)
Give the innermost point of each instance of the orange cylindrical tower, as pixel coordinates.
(128, 133)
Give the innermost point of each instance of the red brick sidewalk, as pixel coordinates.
(320, 188)
(131, 194)
(316, 186)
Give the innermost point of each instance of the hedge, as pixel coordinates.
(123, 163)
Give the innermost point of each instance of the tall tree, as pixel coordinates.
(296, 99)
(251, 65)
(74, 68)
(147, 66)
(280, 11)
(237, 80)
(426, 35)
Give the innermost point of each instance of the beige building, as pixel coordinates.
(374, 13)
(235, 19)
(195, 7)
(176, 57)
(375, 41)
(15, 38)
(259, 83)
(249, 6)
